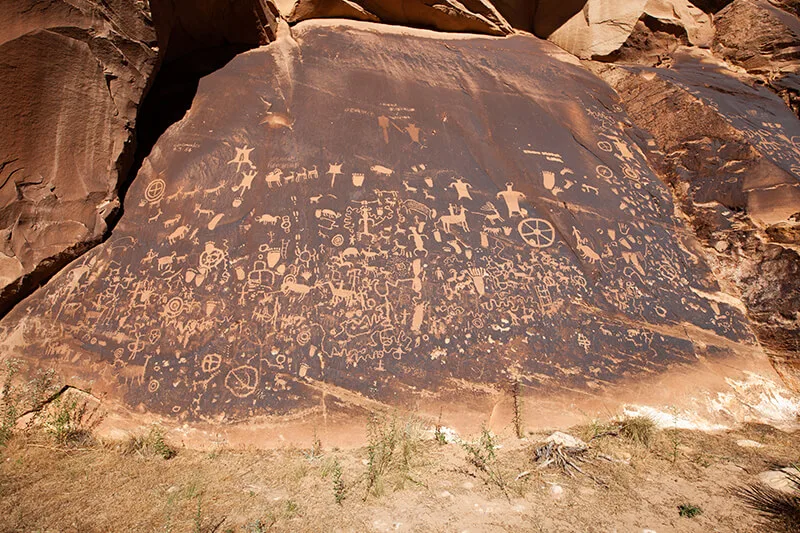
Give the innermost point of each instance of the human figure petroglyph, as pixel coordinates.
(512, 198)
(462, 188)
(242, 157)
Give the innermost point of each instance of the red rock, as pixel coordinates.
(385, 215)
(71, 80)
(478, 16)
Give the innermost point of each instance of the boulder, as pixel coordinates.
(359, 215)
(601, 28)
(758, 36)
(476, 16)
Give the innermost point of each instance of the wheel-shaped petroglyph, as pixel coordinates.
(605, 172)
(155, 190)
(211, 363)
(211, 257)
(242, 381)
(537, 232)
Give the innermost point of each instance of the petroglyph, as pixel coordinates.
(424, 262)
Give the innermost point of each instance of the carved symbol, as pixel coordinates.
(174, 307)
(337, 240)
(537, 232)
(211, 257)
(242, 381)
(605, 172)
(211, 363)
(155, 190)
(153, 385)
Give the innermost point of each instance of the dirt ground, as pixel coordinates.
(404, 480)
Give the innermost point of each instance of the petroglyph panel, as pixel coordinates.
(388, 218)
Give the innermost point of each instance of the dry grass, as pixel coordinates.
(780, 509)
(128, 486)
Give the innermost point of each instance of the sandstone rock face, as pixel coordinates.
(388, 214)
(478, 16)
(71, 77)
(602, 27)
(730, 151)
(765, 40)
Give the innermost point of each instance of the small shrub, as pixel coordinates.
(516, 396)
(338, 483)
(481, 454)
(9, 401)
(316, 448)
(71, 421)
(638, 429)
(438, 434)
(149, 445)
(391, 448)
(261, 526)
(689, 511)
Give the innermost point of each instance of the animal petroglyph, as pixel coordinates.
(415, 262)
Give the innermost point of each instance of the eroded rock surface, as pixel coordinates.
(731, 151)
(392, 213)
(602, 27)
(764, 38)
(71, 77)
(478, 16)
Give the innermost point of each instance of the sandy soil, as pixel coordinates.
(423, 486)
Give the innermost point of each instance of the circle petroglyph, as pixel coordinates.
(174, 307)
(211, 257)
(537, 232)
(211, 363)
(155, 190)
(242, 381)
(605, 146)
(605, 172)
